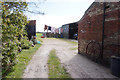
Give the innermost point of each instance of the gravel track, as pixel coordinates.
(76, 65)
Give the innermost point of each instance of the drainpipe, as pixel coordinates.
(104, 5)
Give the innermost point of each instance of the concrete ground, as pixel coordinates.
(76, 65)
(74, 40)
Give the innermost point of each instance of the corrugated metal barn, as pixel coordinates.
(69, 30)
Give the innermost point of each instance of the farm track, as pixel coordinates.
(76, 65)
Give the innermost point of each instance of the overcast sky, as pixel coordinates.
(59, 12)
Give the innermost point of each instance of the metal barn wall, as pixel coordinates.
(69, 30)
(65, 31)
(73, 29)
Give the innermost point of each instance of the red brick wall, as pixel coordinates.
(90, 27)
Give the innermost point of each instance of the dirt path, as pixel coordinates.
(77, 66)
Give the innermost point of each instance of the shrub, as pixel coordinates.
(25, 43)
(13, 25)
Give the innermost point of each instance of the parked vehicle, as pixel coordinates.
(76, 36)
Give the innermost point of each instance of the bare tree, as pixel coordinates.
(36, 6)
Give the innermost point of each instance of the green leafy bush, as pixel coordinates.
(13, 25)
(25, 43)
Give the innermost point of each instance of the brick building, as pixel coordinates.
(90, 28)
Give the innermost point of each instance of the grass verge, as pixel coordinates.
(74, 48)
(23, 60)
(56, 70)
(53, 38)
(39, 37)
(71, 42)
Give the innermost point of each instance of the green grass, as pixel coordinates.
(74, 48)
(71, 42)
(39, 36)
(23, 60)
(51, 38)
(55, 68)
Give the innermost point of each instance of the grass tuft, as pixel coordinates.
(39, 37)
(74, 48)
(56, 70)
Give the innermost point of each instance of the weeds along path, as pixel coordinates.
(56, 70)
(37, 67)
(76, 65)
